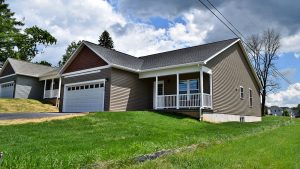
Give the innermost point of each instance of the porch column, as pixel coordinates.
(45, 84)
(51, 90)
(156, 91)
(210, 88)
(177, 97)
(201, 86)
(58, 93)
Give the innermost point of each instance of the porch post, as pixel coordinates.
(201, 85)
(210, 88)
(177, 97)
(51, 90)
(45, 84)
(156, 91)
(58, 93)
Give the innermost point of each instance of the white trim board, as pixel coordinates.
(3, 77)
(174, 71)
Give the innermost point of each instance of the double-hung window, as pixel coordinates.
(241, 92)
(189, 86)
(250, 98)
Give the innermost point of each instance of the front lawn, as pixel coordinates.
(279, 148)
(102, 137)
(24, 105)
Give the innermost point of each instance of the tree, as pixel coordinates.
(43, 62)
(15, 42)
(69, 51)
(263, 51)
(285, 113)
(105, 40)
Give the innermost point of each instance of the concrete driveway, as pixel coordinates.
(15, 116)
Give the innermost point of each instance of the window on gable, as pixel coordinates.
(250, 98)
(241, 92)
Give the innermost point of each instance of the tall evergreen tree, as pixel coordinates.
(69, 51)
(105, 40)
(19, 43)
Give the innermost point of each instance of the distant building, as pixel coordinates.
(276, 111)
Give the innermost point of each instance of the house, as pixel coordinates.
(276, 111)
(214, 82)
(20, 79)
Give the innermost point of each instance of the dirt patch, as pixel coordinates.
(39, 120)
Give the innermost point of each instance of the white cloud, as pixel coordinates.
(291, 43)
(297, 55)
(85, 20)
(289, 97)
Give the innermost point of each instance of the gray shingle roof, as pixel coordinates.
(115, 57)
(184, 56)
(29, 69)
(171, 58)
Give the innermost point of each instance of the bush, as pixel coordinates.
(285, 113)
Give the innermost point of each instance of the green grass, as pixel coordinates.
(24, 105)
(275, 149)
(102, 137)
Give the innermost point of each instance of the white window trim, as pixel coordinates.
(241, 87)
(188, 85)
(250, 98)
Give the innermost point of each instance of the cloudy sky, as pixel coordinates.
(141, 27)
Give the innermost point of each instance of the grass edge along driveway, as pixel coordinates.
(102, 137)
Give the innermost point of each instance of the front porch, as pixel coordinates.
(185, 89)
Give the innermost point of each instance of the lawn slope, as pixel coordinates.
(274, 149)
(112, 136)
(24, 105)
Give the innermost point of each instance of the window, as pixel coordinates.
(183, 87)
(91, 86)
(81, 87)
(73, 88)
(77, 87)
(69, 88)
(194, 86)
(189, 86)
(250, 98)
(241, 92)
(96, 85)
(102, 85)
(86, 86)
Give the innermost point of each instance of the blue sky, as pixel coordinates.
(142, 27)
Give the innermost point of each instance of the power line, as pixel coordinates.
(273, 68)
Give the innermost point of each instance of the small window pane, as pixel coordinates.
(77, 87)
(102, 85)
(241, 92)
(96, 85)
(69, 88)
(91, 86)
(183, 86)
(73, 88)
(81, 87)
(86, 86)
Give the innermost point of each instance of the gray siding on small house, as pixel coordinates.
(28, 87)
(230, 71)
(103, 74)
(128, 92)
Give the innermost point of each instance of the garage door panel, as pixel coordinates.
(78, 98)
(7, 90)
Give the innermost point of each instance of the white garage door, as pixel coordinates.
(84, 97)
(7, 90)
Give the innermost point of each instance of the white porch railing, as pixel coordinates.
(51, 93)
(185, 101)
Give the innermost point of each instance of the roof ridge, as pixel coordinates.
(38, 64)
(189, 47)
(110, 49)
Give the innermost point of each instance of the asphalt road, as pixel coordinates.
(14, 116)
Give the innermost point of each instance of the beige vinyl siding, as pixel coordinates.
(103, 74)
(128, 92)
(230, 71)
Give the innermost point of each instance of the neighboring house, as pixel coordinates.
(276, 111)
(216, 78)
(214, 81)
(20, 79)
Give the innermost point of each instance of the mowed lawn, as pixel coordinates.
(276, 149)
(24, 105)
(115, 136)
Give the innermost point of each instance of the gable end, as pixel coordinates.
(85, 59)
(7, 70)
